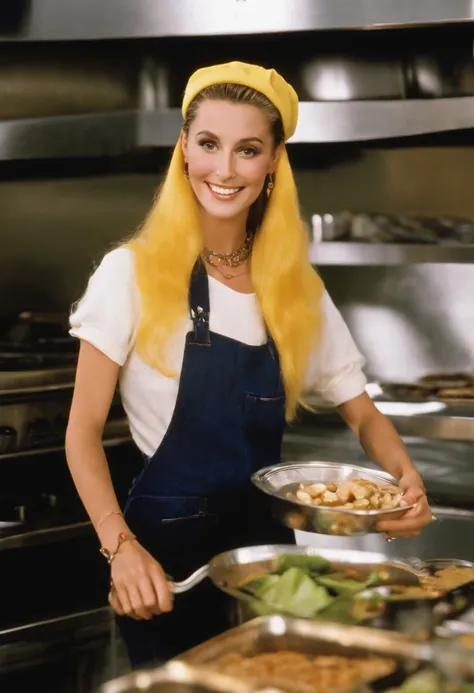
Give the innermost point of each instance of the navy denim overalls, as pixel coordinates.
(193, 498)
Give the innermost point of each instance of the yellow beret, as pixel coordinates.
(268, 82)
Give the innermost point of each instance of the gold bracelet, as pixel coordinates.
(110, 555)
(103, 519)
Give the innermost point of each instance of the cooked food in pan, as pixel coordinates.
(433, 586)
(441, 386)
(298, 672)
(308, 587)
(357, 494)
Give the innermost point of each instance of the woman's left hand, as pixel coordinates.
(412, 521)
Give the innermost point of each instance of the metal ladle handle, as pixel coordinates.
(185, 585)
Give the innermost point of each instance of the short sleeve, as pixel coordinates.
(107, 314)
(335, 373)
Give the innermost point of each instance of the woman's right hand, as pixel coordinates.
(139, 587)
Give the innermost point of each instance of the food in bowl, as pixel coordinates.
(356, 494)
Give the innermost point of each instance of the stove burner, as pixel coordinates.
(37, 333)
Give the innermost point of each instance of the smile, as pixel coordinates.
(223, 192)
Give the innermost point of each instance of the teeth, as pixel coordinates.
(223, 191)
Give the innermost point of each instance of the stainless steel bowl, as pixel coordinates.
(277, 481)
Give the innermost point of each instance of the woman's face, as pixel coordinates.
(229, 150)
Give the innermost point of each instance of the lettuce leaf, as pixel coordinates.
(295, 593)
(313, 565)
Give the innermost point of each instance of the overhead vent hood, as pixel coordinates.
(78, 20)
(63, 96)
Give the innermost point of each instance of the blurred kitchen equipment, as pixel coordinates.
(441, 76)
(350, 78)
(176, 677)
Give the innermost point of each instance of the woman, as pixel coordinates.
(215, 323)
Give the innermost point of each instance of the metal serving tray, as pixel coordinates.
(175, 677)
(275, 482)
(275, 633)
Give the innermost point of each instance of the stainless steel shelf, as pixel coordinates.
(350, 253)
(19, 454)
(359, 121)
(47, 535)
(94, 135)
(56, 20)
(430, 419)
(110, 134)
(342, 121)
(435, 427)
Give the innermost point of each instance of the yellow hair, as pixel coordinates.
(289, 291)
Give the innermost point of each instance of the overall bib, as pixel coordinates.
(193, 499)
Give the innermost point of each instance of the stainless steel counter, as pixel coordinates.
(447, 466)
(448, 470)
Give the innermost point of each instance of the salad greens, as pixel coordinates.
(304, 587)
(428, 681)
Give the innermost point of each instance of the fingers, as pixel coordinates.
(120, 601)
(149, 597)
(161, 588)
(412, 496)
(410, 524)
(139, 610)
(115, 602)
(141, 593)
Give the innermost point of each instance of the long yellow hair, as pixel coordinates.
(289, 291)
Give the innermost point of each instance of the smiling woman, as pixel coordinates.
(215, 324)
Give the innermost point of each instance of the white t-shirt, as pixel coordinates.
(108, 314)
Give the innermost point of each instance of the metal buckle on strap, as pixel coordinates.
(200, 315)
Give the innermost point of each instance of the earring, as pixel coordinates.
(186, 170)
(270, 184)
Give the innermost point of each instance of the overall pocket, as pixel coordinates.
(264, 425)
(172, 525)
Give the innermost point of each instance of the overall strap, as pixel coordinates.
(199, 304)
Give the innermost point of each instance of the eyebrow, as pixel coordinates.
(207, 133)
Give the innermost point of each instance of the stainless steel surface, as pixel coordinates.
(185, 585)
(350, 78)
(101, 615)
(432, 420)
(350, 253)
(106, 443)
(64, 82)
(48, 535)
(104, 134)
(359, 121)
(449, 537)
(441, 76)
(275, 481)
(435, 427)
(176, 677)
(269, 634)
(42, 646)
(446, 466)
(50, 20)
(29, 382)
(109, 134)
(229, 569)
(344, 121)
